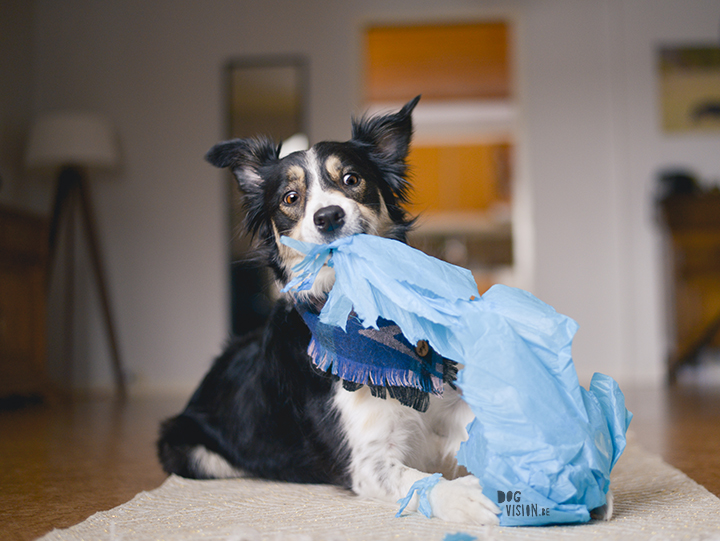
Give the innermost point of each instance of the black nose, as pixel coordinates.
(329, 218)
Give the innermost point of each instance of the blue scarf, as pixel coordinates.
(382, 358)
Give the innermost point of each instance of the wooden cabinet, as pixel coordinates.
(461, 157)
(440, 61)
(23, 249)
(694, 224)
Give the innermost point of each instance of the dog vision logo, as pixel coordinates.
(515, 507)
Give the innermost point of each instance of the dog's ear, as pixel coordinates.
(387, 139)
(244, 157)
(388, 135)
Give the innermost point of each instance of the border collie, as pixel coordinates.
(264, 410)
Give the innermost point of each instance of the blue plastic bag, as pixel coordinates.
(541, 445)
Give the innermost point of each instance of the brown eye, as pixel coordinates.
(291, 198)
(351, 179)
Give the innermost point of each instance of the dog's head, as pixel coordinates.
(330, 191)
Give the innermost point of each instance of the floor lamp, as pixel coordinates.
(72, 144)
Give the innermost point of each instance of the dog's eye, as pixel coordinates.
(351, 179)
(291, 198)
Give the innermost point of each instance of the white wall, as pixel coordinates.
(644, 150)
(588, 152)
(572, 158)
(594, 150)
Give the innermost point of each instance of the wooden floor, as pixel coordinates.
(63, 461)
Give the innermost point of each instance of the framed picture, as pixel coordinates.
(690, 89)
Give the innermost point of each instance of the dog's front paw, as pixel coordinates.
(604, 512)
(462, 500)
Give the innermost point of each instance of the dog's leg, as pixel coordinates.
(386, 439)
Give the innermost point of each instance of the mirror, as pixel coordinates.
(266, 96)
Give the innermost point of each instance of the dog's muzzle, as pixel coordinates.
(329, 219)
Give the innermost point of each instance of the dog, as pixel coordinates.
(264, 410)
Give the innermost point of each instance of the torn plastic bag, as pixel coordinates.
(537, 436)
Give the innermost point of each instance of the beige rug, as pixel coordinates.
(653, 501)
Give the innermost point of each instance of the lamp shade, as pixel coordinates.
(71, 139)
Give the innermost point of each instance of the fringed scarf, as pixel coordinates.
(382, 358)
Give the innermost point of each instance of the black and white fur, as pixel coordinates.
(264, 410)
